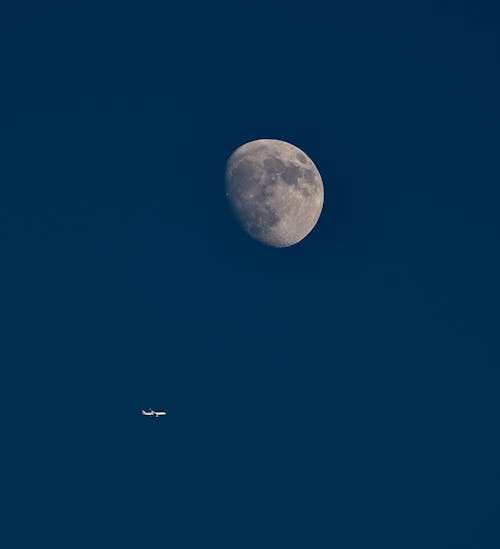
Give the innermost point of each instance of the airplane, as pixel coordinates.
(151, 412)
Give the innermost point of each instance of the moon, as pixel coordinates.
(275, 191)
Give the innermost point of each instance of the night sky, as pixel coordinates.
(340, 393)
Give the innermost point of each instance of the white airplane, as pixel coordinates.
(151, 412)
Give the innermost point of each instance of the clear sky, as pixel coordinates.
(339, 393)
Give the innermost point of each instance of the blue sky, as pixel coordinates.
(341, 392)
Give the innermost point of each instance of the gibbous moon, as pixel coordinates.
(275, 191)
